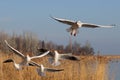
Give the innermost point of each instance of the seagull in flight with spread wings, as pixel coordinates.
(54, 60)
(41, 69)
(77, 24)
(26, 59)
(56, 56)
(18, 66)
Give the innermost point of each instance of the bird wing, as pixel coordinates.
(69, 22)
(94, 25)
(14, 50)
(51, 54)
(53, 70)
(40, 55)
(32, 63)
(68, 56)
(8, 60)
(43, 50)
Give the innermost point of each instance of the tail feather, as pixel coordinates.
(51, 61)
(40, 73)
(56, 64)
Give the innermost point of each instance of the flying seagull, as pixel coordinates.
(54, 60)
(77, 24)
(17, 66)
(55, 56)
(41, 69)
(26, 59)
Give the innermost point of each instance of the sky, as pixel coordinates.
(34, 16)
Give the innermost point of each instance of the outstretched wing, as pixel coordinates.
(40, 55)
(32, 63)
(14, 50)
(94, 25)
(69, 22)
(43, 50)
(8, 60)
(68, 56)
(53, 70)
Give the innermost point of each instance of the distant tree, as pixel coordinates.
(3, 36)
(28, 42)
(87, 49)
(76, 47)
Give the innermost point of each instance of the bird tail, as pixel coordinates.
(72, 31)
(51, 61)
(56, 63)
(39, 72)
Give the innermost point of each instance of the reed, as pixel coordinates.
(88, 68)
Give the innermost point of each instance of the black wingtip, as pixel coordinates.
(61, 69)
(51, 16)
(42, 50)
(31, 64)
(74, 58)
(8, 60)
(6, 41)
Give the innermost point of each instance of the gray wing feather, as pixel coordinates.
(53, 70)
(64, 21)
(40, 55)
(70, 57)
(32, 63)
(43, 50)
(14, 50)
(90, 25)
(94, 25)
(8, 60)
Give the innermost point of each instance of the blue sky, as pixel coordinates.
(34, 16)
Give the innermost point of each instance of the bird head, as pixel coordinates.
(79, 23)
(42, 68)
(28, 57)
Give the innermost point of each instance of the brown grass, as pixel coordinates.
(88, 68)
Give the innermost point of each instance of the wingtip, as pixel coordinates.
(61, 69)
(52, 17)
(113, 25)
(5, 41)
(8, 60)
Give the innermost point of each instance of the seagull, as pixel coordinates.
(17, 66)
(41, 69)
(55, 56)
(77, 24)
(26, 59)
(54, 60)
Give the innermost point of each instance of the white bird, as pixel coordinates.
(41, 69)
(17, 66)
(77, 24)
(54, 60)
(26, 59)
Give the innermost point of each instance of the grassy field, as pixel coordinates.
(88, 68)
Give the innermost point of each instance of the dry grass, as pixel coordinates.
(88, 68)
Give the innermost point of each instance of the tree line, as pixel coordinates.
(29, 42)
